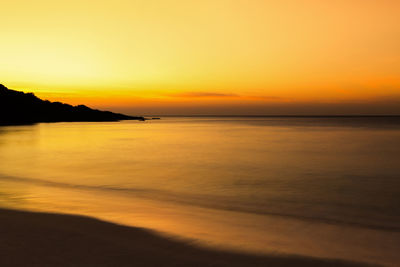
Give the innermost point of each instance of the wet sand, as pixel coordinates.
(44, 239)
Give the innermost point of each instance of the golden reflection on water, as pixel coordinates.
(247, 187)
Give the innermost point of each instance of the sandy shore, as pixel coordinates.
(40, 239)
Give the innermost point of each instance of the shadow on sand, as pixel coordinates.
(42, 239)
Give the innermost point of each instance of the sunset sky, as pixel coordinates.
(206, 57)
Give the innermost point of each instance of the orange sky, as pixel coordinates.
(206, 57)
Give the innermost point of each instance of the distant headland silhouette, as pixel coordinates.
(24, 108)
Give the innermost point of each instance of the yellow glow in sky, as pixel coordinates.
(165, 56)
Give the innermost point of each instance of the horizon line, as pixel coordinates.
(292, 115)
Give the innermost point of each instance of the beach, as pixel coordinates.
(45, 239)
(319, 188)
(199, 133)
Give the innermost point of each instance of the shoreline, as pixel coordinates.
(65, 121)
(49, 239)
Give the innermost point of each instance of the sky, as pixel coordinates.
(300, 57)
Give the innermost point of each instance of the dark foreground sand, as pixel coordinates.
(39, 239)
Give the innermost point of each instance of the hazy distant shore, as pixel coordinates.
(40, 239)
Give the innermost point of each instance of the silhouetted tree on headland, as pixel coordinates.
(19, 108)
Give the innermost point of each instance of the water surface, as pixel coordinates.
(325, 187)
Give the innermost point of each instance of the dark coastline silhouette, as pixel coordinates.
(23, 108)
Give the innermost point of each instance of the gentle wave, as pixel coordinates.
(205, 201)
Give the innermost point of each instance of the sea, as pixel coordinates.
(325, 187)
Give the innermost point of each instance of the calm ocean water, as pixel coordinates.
(325, 187)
